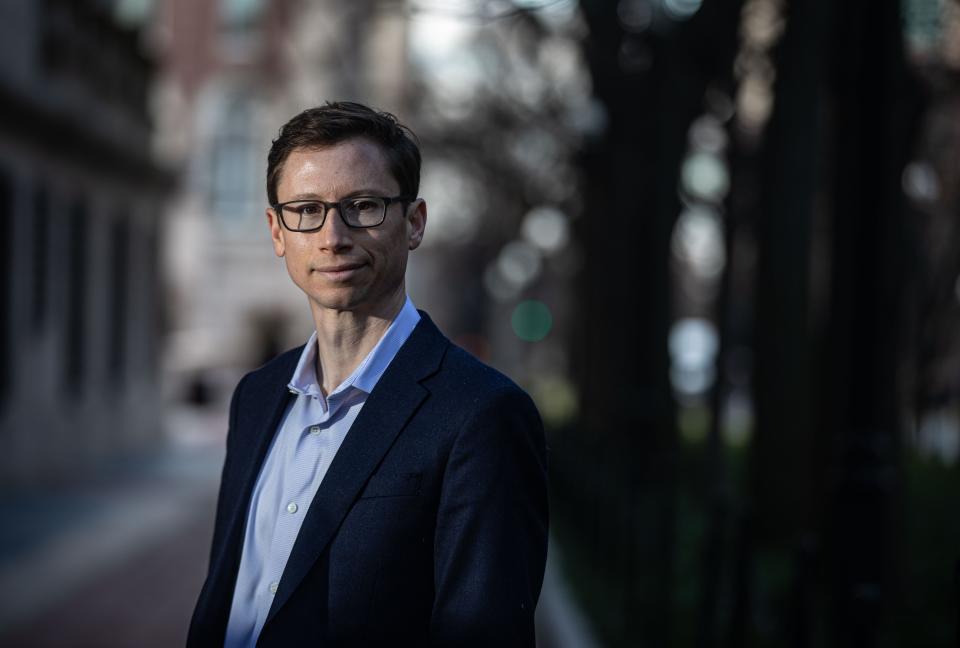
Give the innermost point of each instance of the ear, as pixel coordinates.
(276, 231)
(416, 223)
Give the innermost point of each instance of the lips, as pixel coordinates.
(340, 271)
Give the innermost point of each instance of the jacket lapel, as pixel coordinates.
(255, 428)
(389, 407)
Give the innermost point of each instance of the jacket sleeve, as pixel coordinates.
(222, 504)
(490, 542)
(212, 608)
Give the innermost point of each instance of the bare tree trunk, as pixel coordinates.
(874, 127)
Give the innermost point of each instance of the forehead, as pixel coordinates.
(351, 165)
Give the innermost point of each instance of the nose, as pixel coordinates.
(334, 235)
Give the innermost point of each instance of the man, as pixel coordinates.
(381, 486)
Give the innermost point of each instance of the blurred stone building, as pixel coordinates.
(81, 197)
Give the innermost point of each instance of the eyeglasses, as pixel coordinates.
(355, 211)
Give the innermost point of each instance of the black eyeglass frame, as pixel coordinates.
(327, 206)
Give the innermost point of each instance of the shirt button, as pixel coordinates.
(273, 587)
(292, 507)
(315, 430)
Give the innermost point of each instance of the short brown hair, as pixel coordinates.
(337, 121)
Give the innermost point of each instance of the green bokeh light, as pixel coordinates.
(531, 320)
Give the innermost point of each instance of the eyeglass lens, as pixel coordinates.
(364, 211)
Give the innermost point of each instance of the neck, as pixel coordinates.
(344, 338)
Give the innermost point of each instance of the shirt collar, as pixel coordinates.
(368, 372)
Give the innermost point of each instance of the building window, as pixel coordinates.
(6, 292)
(240, 37)
(154, 325)
(76, 299)
(119, 281)
(39, 259)
(235, 187)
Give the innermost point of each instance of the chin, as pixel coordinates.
(352, 301)
(337, 302)
(336, 297)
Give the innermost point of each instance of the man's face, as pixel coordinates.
(338, 267)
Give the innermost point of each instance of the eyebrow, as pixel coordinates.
(350, 194)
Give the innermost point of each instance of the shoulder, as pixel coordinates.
(494, 426)
(444, 368)
(471, 385)
(459, 362)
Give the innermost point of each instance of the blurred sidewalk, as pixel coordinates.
(120, 562)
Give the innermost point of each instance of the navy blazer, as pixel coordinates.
(430, 526)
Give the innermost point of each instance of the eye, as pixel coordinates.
(363, 205)
(308, 209)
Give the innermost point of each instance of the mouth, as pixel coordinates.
(340, 271)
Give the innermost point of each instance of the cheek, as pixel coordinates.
(393, 248)
(393, 258)
(297, 248)
(296, 256)
(293, 268)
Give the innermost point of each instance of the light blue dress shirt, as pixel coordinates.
(310, 433)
